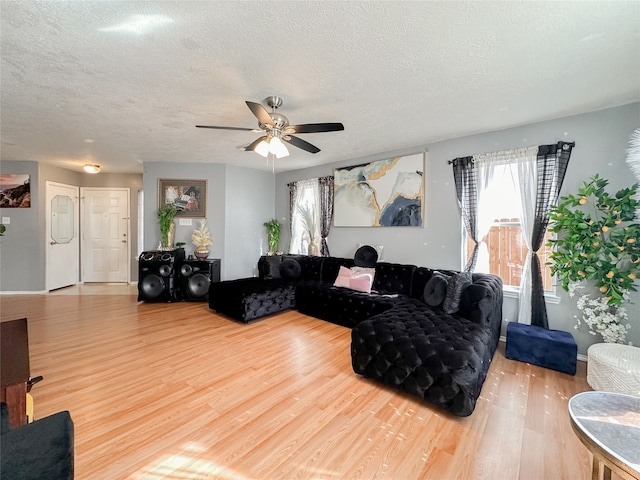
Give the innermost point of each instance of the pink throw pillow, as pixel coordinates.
(344, 278)
(361, 283)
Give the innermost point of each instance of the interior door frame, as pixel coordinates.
(82, 226)
(47, 238)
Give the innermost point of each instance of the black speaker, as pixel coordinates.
(195, 277)
(156, 275)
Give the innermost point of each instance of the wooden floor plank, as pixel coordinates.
(175, 391)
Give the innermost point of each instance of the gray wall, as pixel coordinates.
(22, 248)
(239, 201)
(250, 198)
(601, 141)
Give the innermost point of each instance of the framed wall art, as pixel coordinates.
(15, 190)
(384, 193)
(189, 197)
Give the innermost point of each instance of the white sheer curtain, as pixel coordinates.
(488, 165)
(305, 225)
(518, 166)
(524, 174)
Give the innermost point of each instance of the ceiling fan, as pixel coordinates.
(277, 130)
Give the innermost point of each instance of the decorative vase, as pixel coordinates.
(169, 244)
(313, 249)
(201, 253)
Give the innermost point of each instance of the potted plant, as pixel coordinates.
(201, 238)
(274, 228)
(598, 245)
(167, 227)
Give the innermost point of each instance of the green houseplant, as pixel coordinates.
(165, 219)
(598, 244)
(274, 229)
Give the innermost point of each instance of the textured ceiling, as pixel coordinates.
(120, 83)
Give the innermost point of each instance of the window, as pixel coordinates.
(305, 225)
(503, 249)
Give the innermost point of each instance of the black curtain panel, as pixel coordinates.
(326, 211)
(467, 191)
(551, 167)
(293, 193)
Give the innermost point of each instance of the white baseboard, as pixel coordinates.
(32, 292)
(580, 357)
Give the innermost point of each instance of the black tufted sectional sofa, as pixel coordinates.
(396, 338)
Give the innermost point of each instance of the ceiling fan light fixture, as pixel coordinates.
(278, 148)
(262, 148)
(91, 168)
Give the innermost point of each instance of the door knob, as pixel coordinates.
(123, 241)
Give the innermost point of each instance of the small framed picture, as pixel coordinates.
(188, 197)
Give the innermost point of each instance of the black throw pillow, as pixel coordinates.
(435, 290)
(455, 286)
(290, 269)
(366, 256)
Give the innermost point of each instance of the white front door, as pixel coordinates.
(105, 234)
(63, 248)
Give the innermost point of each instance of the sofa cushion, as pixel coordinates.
(290, 269)
(435, 290)
(393, 278)
(455, 287)
(311, 267)
(269, 266)
(338, 305)
(43, 449)
(366, 256)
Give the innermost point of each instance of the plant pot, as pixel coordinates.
(201, 253)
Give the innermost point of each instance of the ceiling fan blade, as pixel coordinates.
(252, 146)
(298, 142)
(259, 111)
(316, 127)
(224, 128)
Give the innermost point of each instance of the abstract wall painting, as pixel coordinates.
(384, 193)
(15, 190)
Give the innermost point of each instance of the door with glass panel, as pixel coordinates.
(63, 248)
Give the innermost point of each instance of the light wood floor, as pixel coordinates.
(175, 391)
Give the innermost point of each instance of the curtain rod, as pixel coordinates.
(570, 144)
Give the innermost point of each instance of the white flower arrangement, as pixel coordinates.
(201, 237)
(600, 317)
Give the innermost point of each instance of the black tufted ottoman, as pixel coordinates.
(437, 357)
(250, 298)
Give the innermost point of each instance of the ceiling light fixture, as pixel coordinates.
(274, 146)
(91, 168)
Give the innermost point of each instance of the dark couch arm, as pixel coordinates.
(482, 300)
(39, 450)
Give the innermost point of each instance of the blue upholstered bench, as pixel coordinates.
(552, 349)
